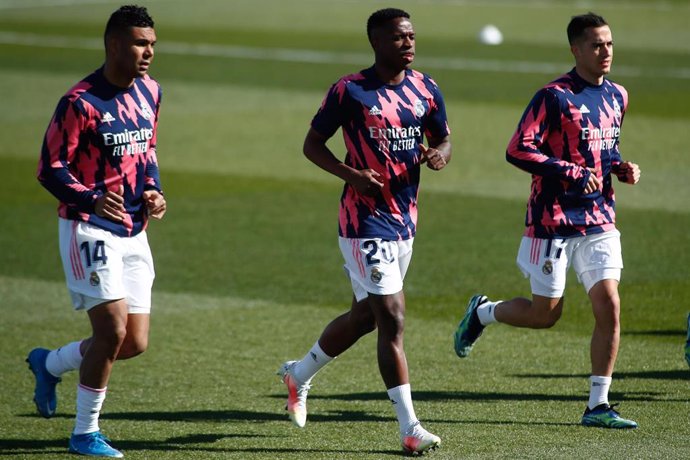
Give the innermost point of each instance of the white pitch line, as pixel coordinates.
(497, 4)
(550, 5)
(24, 4)
(331, 57)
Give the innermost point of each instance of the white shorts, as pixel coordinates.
(100, 266)
(375, 266)
(594, 257)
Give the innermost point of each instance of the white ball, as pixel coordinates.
(490, 35)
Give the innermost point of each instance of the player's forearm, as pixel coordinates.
(324, 159)
(443, 146)
(539, 164)
(152, 179)
(316, 150)
(68, 190)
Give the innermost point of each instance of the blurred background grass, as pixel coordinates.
(247, 262)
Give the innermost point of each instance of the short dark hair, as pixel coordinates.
(125, 17)
(381, 17)
(578, 24)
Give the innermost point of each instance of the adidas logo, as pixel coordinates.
(374, 111)
(107, 118)
(584, 109)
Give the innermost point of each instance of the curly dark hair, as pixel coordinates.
(578, 24)
(125, 17)
(381, 17)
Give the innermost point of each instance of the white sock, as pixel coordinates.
(598, 390)
(67, 358)
(312, 363)
(89, 403)
(486, 312)
(401, 397)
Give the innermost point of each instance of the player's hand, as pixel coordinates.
(111, 205)
(155, 203)
(367, 182)
(433, 158)
(592, 183)
(628, 172)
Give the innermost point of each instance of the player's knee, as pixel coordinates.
(550, 321)
(110, 340)
(547, 319)
(607, 313)
(364, 322)
(389, 312)
(609, 304)
(133, 346)
(137, 347)
(367, 324)
(545, 312)
(392, 324)
(142, 345)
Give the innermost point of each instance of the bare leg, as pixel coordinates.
(539, 313)
(136, 340)
(344, 331)
(389, 311)
(606, 335)
(109, 327)
(339, 335)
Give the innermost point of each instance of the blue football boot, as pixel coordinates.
(44, 392)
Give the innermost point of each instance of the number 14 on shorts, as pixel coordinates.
(94, 252)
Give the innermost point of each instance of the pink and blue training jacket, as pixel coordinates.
(382, 126)
(570, 126)
(102, 137)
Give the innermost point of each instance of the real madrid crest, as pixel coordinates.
(94, 280)
(547, 268)
(146, 112)
(616, 108)
(376, 275)
(419, 109)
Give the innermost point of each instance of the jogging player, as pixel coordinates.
(99, 160)
(384, 112)
(568, 141)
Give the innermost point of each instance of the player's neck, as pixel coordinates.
(389, 76)
(593, 79)
(116, 78)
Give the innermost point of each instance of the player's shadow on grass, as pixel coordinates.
(492, 396)
(662, 332)
(452, 396)
(59, 446)
(676, 374)
(46, 447)
(244, 415)
(190, 443)
(231, 415)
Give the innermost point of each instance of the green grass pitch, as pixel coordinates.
(248, 270)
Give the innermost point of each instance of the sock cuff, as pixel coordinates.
(600, 379)
(77, 350)
(487, 312)
(401, 388)
(92, 390)
(317, 349)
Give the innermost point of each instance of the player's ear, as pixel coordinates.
(374, 38)
(112, 45)
(109, 50)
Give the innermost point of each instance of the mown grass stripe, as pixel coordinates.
(330, 57)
